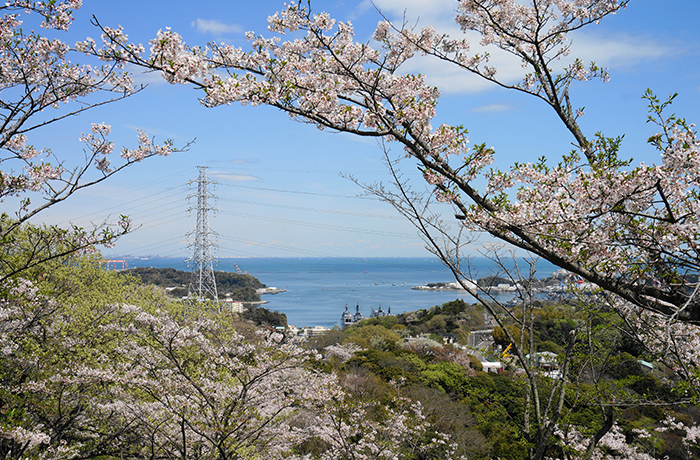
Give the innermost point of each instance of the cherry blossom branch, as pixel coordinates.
(593, 213)
(37, 77)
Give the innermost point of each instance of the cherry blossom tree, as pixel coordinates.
(39, 86)
(351, 429)
(86, 374)
(55, 386)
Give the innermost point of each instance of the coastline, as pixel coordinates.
(314, 291)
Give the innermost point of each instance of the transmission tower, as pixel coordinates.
(202, 281)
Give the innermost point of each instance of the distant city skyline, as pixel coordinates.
(282, 187)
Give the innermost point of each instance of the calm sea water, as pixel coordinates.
(319, 288)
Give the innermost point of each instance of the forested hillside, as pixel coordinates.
(240, 287)
(610, 383)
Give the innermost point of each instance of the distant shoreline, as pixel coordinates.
(318, 287)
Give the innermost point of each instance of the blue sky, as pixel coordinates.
(280, 189)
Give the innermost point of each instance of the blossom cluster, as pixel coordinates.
(612, 446)
(614, 221)
(616, 444)
(57, 15)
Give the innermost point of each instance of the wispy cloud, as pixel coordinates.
(234, 177)
(493, 108)
(236, 161)
(612, 51)
(214, 27)
(451, 79)
(619, 50)
(608, 50)
(145, 78)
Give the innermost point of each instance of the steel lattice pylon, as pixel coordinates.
(202, 282)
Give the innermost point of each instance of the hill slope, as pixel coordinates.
(241, 287)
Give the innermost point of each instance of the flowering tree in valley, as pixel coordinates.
(85, 374)
(40, 86)
(55, 378)
(352, 429)
(210, 392)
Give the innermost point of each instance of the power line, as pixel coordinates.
(152, 210)
(63, 209)
(175, 242)
(325, 226)
(298, 192)
(324, 211)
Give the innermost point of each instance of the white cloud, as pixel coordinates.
(493, 108)
(214, 27)
(142, 77)
(620, 50)
(234, 177)
(612, 51)
(450, 79)
(428, 11)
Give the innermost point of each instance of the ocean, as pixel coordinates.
(317, 289)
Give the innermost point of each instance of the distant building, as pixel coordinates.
(449, 339)
(548, 362)
(232, 305)
(316, 331)
(302, 334)
(490, 366)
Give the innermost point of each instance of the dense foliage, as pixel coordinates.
(654, 415)
(456, 317)
(261, 316)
